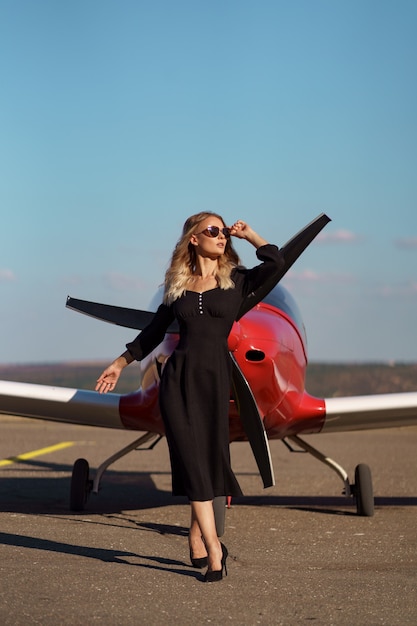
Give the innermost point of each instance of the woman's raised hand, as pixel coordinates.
(239, 229)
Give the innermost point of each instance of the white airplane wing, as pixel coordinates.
(60, 404)
(389, 410)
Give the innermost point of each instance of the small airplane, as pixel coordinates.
(268, 398)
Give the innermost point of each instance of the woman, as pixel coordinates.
(205, 287)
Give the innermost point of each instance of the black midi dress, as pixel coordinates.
(195, 384)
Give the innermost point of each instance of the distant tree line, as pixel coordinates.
(322, 380)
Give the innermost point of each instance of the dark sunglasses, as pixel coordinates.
(213, 231)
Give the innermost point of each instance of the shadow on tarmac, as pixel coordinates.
(101, 554)
(123, 491)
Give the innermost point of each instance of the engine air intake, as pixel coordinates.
(255, 355)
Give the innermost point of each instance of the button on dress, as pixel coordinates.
(194, 391)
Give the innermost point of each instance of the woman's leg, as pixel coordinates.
(202, 516)
(195, 538)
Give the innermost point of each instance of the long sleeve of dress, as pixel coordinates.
(259, 280)
(152, 335)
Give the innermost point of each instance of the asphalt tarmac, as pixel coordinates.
(299, 554)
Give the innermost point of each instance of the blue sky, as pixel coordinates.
(120, 119)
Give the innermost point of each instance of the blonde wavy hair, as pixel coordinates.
(183, 261)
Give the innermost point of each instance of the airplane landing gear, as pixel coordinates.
(361, 490)
(219, 506)
(81, 485)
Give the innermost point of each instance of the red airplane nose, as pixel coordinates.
(235, 336)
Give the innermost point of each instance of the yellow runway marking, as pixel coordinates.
(34, 453)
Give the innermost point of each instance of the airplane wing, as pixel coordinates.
(60, 404)
(389, 410)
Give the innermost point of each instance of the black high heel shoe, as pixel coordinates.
(200, 562)
(212, 576)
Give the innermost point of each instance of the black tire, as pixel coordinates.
(219, 506)
(80, 485)
(363, 491)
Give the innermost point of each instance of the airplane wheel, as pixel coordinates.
(363, 491)
(219, 506)
(80, 485)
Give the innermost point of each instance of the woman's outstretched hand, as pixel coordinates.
(108, 379)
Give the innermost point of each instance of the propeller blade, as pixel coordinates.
(252, 424)
(291, 251)
(121, 316)
(138, 319)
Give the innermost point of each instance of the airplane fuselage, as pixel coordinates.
(269, 345)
